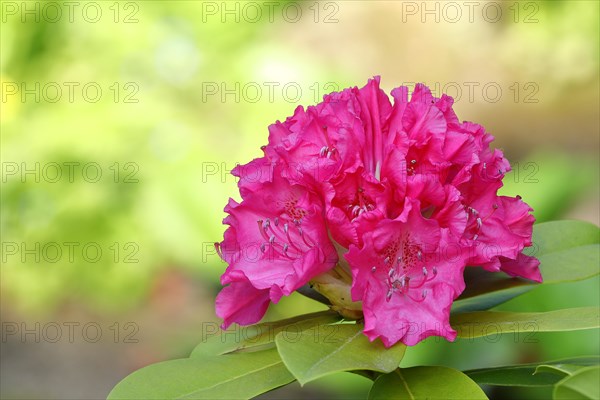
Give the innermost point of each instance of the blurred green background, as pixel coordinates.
(120, 121)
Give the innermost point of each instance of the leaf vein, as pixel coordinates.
(405, 384)
(229, 380)
(328, 356)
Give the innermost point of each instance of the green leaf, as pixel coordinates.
(236, 376)
(513, 376)
(425, 383)
(570, 265)
(334, 348)
(485, 290)
(238, 363)
(527, 374)
(583, 384)
(486, 323)
(568, 251)
(555, 236)
(259, 337)
(561, 370)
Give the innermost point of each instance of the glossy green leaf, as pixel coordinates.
(334, 348)
(568, 251)
(513, 376)
(425, 383)
(583, 384)
(486, 323)
(555, 236)
(260, 336)
(485, 290)
(527, 374)
(236, 376)
(561, 370)
(571, 265)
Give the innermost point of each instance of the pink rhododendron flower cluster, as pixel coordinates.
(377, 206)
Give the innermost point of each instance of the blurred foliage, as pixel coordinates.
(173, 135)
(551, 182)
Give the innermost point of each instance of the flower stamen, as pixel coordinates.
(281, 239)
(408, 258)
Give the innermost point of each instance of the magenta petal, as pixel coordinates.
(242, 303)
(404, 195)
(524, 266)
(401, 320)
(407, 277)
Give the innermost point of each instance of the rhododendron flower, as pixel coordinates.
(379, 207)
